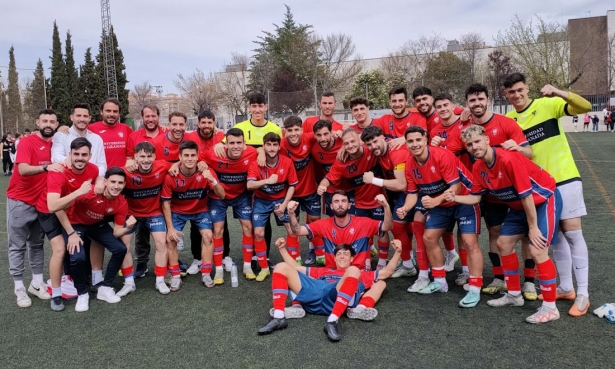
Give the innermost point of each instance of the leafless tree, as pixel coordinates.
(232, 84)
(199, 89)
(142, 94)
(611, 63)
(471, 43)
(339, 61)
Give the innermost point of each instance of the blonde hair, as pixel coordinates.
(471, 131)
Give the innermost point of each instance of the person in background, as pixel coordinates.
(585, 122)
(7, 145)
(575, 122)
(595, 122)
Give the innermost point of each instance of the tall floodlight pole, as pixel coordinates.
(110, 75)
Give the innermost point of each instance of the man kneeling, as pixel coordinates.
(327, 290)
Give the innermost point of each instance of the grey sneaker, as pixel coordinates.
(176, 284)
(507, 300)
(362, 313)
(403, 271)
(291, 312)
(543, 315)
(57, 303)
(207, 281)
(462, 278)
(418, 285)
(449, 262)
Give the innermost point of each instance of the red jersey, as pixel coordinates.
(434, 119)
(232, 173)
(325, 160)
(287, 176)
(142, 191)
(353, 171)
(440, 171)
(205, 144)
(115, 139)
(393, 160)
(359, 130)
(137, 137)
(65, 183)
(396, 127)
(167, 149)
(304, 165)
(511, 178)
(35, 151)
(188, 194)
(334, 275)
(444, 132)
(92, 208)
(308, 124)
(356, 233)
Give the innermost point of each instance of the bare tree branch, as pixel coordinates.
(232, 84)
(142, 94)
(199, 90)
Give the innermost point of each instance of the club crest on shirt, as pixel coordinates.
(433, 169)
(246, 161)
(281, 171)
(304, 148)
(199, 178)
(495, 131)
(157, 175)
(109, 210)
(499, 174)
(99, 201)
(121, 134)
(351, 230)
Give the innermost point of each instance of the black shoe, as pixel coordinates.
(256, 268)
(271, 265)
(140, 271)
(94, 287)
(57, 303)
(332, 330)
(273, 325)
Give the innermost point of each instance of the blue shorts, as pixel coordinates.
(327, 207)
(494, 213)
(547, 214)
(262, 209)
(375, 214)
(419, 205)
(311, 204)
(318, 297)
(399, 202)
(466, 216)
(154, 224)
(201, 220)
(242, 208)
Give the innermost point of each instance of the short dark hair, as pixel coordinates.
(398, 90)
(178, 114)
(27, 130)
(206, 114)
(358, 101)
(371, 132)
(322, 123)
(513, 78)
(421, 90)
(292, 121)
(271, 137)
(80, 142)
(80, 106)
(151, 107)
(257, 98)
(443, 96)
(188, 145)
(235, 132)
(415, 129)
(113, 101)
(327, 94)
(344, 246)
(47, 112)
(475, 89)
(115, 171)
(145, 146)
(340, 192)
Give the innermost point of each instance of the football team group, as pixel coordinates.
(415, 172)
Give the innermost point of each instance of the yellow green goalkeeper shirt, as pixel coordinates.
(541, 126)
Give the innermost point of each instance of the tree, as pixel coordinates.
(471, 43)
(541, 50)
(339, 62)
(611, 63)
(199, 90)
(72, 76)
(14, 111)
(372, 85)
(90, 89)
(499, 67)
(120, 75)
(34, 100)
(58, 98)
(142, 94)
(448, 73)
(291, 95)
(232, 86)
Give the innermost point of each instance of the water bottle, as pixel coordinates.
(180, 243)
(234, 279)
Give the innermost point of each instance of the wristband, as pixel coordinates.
(214, 182)
(72, 233)
(378, 182)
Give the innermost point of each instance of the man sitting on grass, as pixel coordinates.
(327, 290)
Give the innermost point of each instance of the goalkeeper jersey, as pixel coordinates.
(253, 135)
(541, 126)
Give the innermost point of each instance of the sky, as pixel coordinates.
(160, 39)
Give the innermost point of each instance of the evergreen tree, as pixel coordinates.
(72, 77)
(35, 95)
(90, 90)
(14, 111)
(58, 97)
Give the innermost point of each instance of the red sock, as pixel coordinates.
(400, 233)
(529, 270)
(510, 264)
(449, 241)
(463, 256)
(160, 271)
(475, 281)
(546, 274)
(218, 251)
(292, 245)
(206, 267)
(438, 272)
(279, 287)
(247, 245)
(319, 246)
(174, 269)
(421, 251)
(344, 295)
(367, 301)
(127, 272)
(261, 253)
(383, 250)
